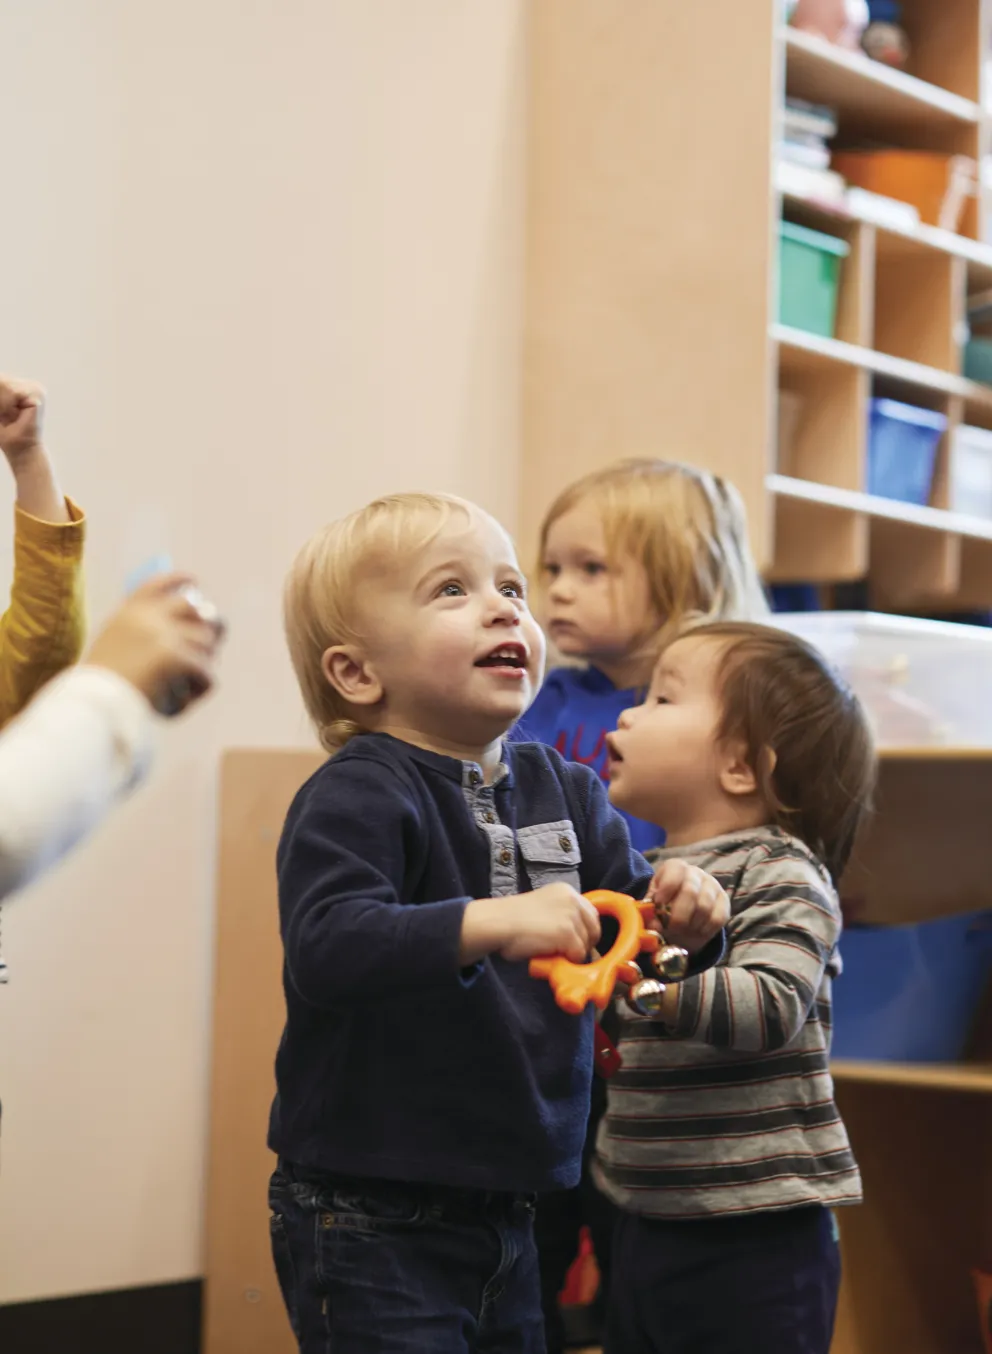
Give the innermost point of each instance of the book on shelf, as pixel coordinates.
(806, 129)
(800, 118)
(815, 185)
(811, 156)
(803, 139)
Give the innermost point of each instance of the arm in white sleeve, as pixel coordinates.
(77, 749)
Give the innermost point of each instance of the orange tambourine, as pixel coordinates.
(576, 984)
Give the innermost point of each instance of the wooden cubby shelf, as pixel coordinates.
(651, 307)
(975, 1077)
(872, 98)
(931, 808)
(920, 1131)
(801, 351)
(823, 215)
(938, 752)
(900, 310)
(852, 500)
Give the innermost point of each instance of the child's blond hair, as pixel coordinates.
(686, 527)
(322, 598)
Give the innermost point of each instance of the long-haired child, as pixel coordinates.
(628, 556)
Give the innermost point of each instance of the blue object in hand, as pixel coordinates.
(177, 694)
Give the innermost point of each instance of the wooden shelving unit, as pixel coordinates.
(899, 334)
(921, 1132)
(651, 295)
(651, 330)
(872, 100)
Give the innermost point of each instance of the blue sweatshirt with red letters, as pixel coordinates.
(574, 711)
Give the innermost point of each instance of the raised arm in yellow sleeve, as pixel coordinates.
(43, 628)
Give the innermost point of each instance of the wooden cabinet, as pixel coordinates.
(922, 1133)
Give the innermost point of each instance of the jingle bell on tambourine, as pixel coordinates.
(671, 963)
(646, 998)
(575, 985)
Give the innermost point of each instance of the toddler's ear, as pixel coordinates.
(351, 676)
(737, 776)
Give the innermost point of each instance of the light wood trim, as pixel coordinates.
(976, 1078)
(865, 254)
(940, 490)
(856, 294)
(935, 754)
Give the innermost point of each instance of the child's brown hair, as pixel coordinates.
(806, 734)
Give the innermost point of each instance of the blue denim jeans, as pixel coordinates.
(380, 1267)
(764, 1283)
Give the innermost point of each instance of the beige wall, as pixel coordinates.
(267, 257)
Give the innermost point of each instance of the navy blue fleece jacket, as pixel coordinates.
(396, 1062)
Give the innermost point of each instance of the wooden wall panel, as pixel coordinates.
(243, 1310)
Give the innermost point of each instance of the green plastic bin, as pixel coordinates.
(808, 278)
(978, 360)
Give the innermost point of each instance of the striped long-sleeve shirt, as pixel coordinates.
(730, 1109)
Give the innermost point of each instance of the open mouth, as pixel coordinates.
(612, 752)
(505, 656)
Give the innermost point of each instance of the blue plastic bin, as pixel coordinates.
(795, 597)
(909, 993)
(902, 447)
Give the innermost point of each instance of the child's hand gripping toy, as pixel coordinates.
(172, 699)
(574, 985)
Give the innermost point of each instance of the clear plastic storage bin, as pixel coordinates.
(924, 683)
(971, 472)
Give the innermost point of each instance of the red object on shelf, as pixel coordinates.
(582, 1279)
